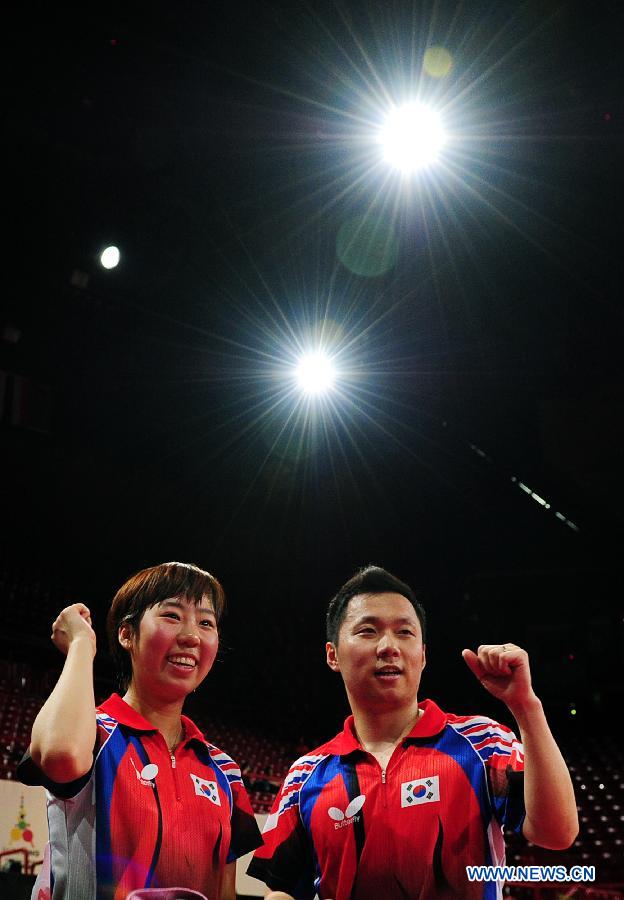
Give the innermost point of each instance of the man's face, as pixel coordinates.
(380, 653)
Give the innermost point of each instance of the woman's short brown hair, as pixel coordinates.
(149, 587)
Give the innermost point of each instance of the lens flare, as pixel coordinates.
(437, 62)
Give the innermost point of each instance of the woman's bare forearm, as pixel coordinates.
(64, 731)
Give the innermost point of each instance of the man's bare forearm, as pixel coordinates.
(551, 814)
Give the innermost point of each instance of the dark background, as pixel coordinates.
(146, 413)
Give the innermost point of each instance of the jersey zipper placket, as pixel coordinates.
(384, 792)
(176, 783)
(384, 773)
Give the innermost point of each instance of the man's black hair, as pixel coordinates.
(368, 580)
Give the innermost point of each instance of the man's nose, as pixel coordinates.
(387, 645)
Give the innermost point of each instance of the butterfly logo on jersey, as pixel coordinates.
(420, 790)
(350, 814)
(207, 789)
(147, 774)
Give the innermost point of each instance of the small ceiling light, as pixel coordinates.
(109, 258)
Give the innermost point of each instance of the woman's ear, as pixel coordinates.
(125, 636)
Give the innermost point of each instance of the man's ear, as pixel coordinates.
(424, 656)
(332, 657)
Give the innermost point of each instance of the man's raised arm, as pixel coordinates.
(551, 815)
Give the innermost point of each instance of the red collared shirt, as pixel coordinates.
(144, 817)
(345, 829)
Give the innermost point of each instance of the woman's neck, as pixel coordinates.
(166, 717)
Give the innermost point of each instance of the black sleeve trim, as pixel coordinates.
(259, 868)
(29, 773)
(251, 843)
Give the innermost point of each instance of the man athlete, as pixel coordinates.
(406, 796)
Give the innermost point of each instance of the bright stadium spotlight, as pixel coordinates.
(109, 258)
(412, 137)
(315, 373)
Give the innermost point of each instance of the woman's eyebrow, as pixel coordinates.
(174, 601)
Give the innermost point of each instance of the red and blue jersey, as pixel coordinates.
(143, 817)
(343, 828)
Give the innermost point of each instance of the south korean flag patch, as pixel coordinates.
(206, 789)
(420, 790)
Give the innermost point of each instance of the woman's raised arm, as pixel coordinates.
(63, 734)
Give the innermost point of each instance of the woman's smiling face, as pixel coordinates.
(174, 647)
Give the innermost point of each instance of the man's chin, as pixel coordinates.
(382, 700)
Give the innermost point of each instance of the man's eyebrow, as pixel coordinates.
(373, 620)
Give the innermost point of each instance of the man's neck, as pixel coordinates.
(380, 731)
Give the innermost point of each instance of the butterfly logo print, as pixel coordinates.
(352, 810)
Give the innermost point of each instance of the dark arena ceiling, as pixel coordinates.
(473, 311)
